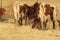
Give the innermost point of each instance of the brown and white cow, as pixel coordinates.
(19, 11)
(16, 10)
(46, 11)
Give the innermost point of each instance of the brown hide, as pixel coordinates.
(2, 10)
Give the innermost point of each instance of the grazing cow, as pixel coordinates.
(46, 11)
(2, 10)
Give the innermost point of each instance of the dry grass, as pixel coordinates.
(9, 30)
(12, 31)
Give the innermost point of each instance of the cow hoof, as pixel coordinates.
(33, 27)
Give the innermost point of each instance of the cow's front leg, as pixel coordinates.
(41, 24)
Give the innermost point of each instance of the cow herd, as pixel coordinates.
(38, 14)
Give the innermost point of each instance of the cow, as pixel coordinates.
(46, 11)
(16, 11)
(2, 11)
(33, 13)
(19, 11)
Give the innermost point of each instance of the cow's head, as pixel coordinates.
(36, 5)
(47, 6)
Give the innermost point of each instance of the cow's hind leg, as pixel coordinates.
(20, 20)
(39, 24)
(52, 19)
(59, 24)
(54, 24)
(45, 24)
(33, 25)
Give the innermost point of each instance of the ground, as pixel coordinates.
(9, 30)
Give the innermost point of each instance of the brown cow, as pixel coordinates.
(2, 10)
(50, 10)
(46, 11)
(33, 14)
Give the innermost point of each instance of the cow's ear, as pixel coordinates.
(3, 9)
(52, 7)
(39, 3)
